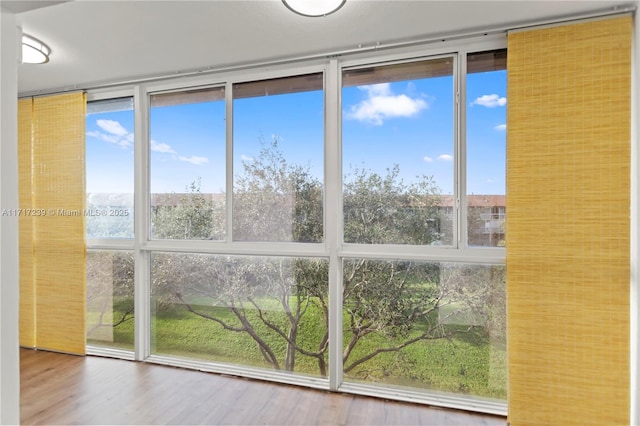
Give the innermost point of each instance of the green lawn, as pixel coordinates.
(467, 363)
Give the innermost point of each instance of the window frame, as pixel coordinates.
(460, 251)
(426, 250)
(228, 245)
(118, 244)
(147, 182)
(333, 247)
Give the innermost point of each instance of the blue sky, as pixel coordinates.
(109, 152)
(486, 132)
(188, 145)
(409, 123)
(296, 120)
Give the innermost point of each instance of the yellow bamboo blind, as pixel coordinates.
(25, 223)
(57, 185)
(568, 165)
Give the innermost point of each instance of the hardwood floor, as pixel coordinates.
(65, 389)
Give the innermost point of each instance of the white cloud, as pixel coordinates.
(428, 159)
(115, 133)
(198, 161)
(166, 149)
(490, 101)
(445, 157)
(246, 158)
(161, 147)
(490, 181)
(380, 89)
(500, 127)
(113, 127)
(382, 104)
(113, 139)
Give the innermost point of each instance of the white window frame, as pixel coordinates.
(332, 248)
(117, 244)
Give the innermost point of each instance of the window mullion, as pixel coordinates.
(333, 219)
(228, 91)
(142, 296)
(461, 146)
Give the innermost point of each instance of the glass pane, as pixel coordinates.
(398, 153)
(278, 136)
(187, 165)
(110, 288)
(268, 312)
(438, 326)
(109, 163)
(486, 148)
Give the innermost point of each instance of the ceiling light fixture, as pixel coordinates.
(314, 8)
(34, 51)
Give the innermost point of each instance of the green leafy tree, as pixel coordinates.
(188, 216)
(275, 200)
(404, 301)
(384, 210)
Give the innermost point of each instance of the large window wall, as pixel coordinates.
(318, 225)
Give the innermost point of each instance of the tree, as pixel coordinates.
(109, 215)
(276, 201)
(188, 216)
(271, 299)
(110, 289)
(273, 201)
(384, 210)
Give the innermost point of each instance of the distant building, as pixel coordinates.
(485, 218)
(486, 214)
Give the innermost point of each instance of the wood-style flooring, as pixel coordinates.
(59, 389)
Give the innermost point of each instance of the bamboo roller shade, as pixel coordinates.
(27, 285)
(55, 179)
(568, 172)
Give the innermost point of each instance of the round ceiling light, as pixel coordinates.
(34, 51)
(314, 8)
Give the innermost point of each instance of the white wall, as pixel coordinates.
(9, 290)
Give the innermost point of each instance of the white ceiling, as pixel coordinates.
(19, 6)
(96, 41)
